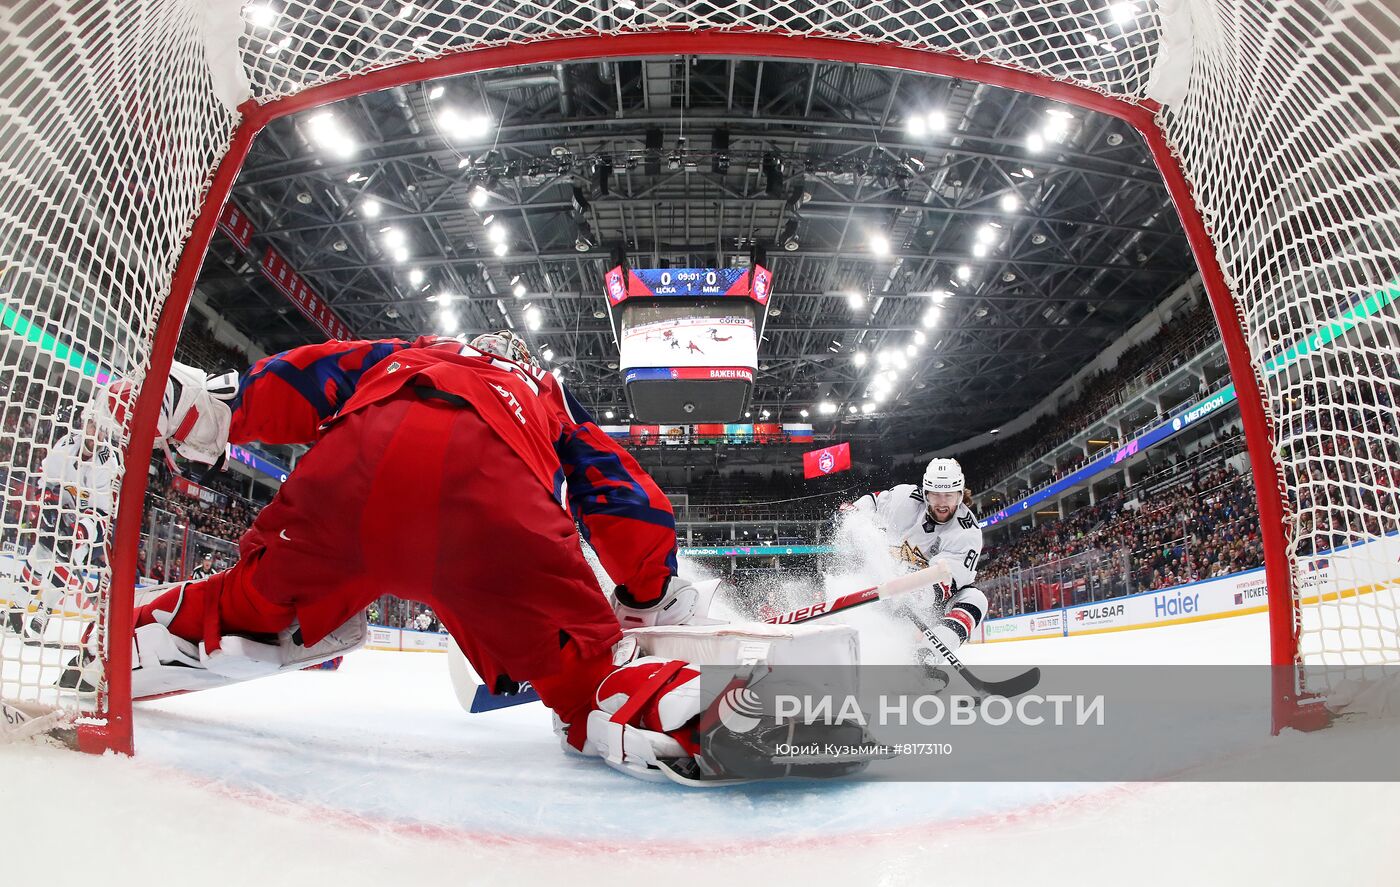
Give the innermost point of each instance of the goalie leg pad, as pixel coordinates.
(167, 664)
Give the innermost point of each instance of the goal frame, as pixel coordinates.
(113, 730)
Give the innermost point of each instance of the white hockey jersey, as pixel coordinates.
(917, 538)
(92, 477)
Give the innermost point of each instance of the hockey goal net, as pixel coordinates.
(1273, 121)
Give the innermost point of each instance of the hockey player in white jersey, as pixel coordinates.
(930, 524)
(77, 481)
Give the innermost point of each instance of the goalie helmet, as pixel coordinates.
(504, 344)
(943, 476)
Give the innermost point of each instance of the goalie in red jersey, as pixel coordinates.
(453, 475)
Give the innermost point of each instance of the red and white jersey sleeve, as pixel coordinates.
(297, 395)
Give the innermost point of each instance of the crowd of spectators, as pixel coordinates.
(1190, 521)
(1341, 457)
(198, 347)
(751, 496)
(1185, 336)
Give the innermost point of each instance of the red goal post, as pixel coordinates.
(1272, 124)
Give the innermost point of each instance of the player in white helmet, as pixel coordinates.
(930, 524)
(77, 487)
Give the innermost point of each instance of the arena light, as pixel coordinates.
(497, 233)
(370, 208)
(931, 318)
(519, 290)
(919, 338)
(855, 300)
(415, 277)
(327, 132)
(1035, 143)
(260, 15)
(803, 413)
(464, 127)
(1009, 203)
(1057, 123)
(447, 320)
(879, 244)
(980, 250)
(826, 408)
(987, 234)
(859, 358)
(609, 414)
(400, 254)
(916, 126)
(501, 249)
(436, 93)
(1122, 13)
(548, 354)
(533, 318)
(964, 272)
(479, 196)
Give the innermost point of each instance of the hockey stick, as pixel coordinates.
(882, 592)
(1013, 686)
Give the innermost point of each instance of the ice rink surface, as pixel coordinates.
(374, 775)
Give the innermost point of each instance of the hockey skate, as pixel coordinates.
(83, 673)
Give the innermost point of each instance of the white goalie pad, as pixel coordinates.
(835, 647)
(744, 643)
(164, 664)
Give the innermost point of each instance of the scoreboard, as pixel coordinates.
(697, 283)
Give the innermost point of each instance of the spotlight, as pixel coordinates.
(788, 239)
(584, 242)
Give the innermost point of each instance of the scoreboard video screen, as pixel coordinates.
(712, 332)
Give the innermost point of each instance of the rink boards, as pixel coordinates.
(1342, 573)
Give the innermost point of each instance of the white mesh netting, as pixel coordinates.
(1284, 115)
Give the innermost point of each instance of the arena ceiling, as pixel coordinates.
(976, 245)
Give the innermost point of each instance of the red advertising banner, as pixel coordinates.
(236, 224)
(827, 460)
(316, 309)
